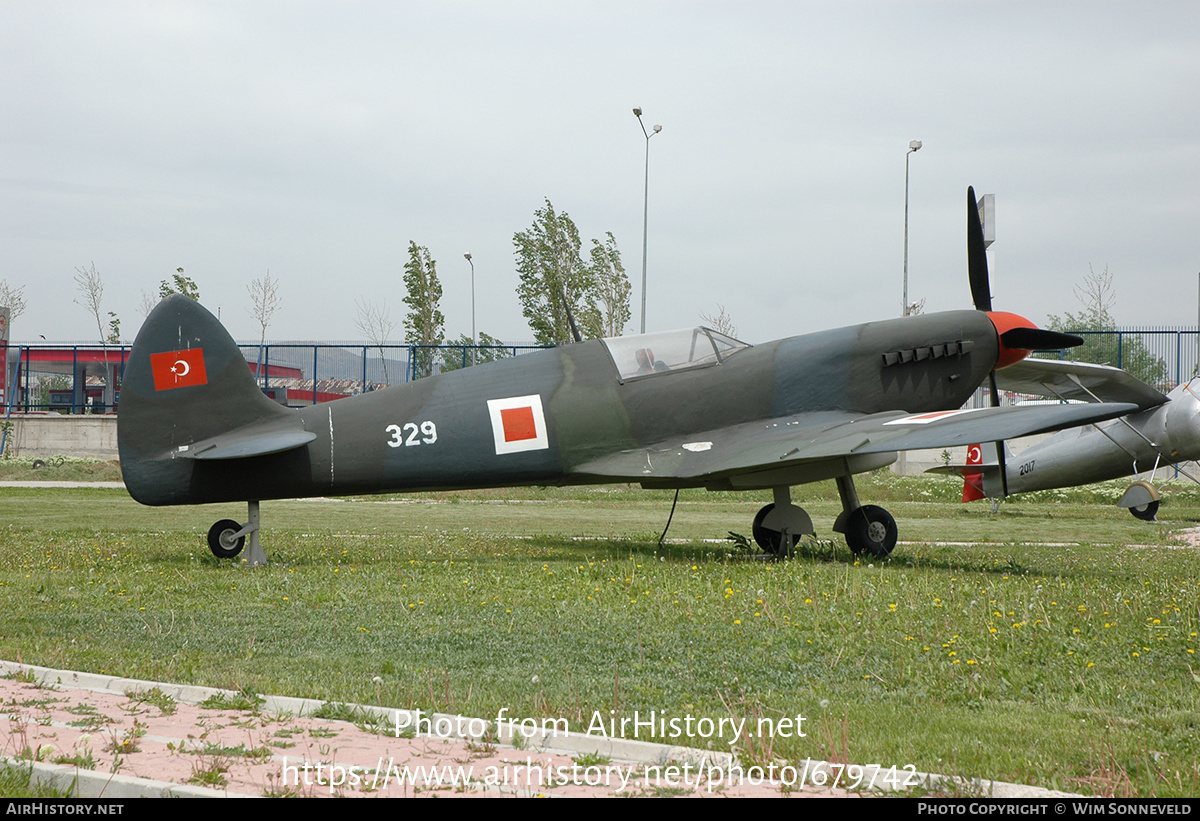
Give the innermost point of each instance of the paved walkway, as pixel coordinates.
(137, 738)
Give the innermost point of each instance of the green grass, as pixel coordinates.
(15, 783)
(977, 650)
(154, 697)
(58, 469)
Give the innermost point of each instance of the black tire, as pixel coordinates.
(1146, 512)
(221, 541)
(763, 537)
(771, 541)
(871, 531)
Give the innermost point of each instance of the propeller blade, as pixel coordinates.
(977, 267)
(999, 443)
(1037, 339)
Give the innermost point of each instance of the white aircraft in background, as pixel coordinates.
(1164, 431)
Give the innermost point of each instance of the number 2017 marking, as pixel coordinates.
(412, 434)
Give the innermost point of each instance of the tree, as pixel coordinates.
(490, 349)
(13, 298)
(722, 323)
(610, 286)
(147, 303)
(555, 284)
(179, 284)
(1126, 351)
(264, 300)
(91, 290)
(423, 324)
(374, 321)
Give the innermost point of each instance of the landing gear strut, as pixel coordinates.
(869, 529)
(226, 538)
(779, 525)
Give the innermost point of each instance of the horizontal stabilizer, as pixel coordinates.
(992, 471)
(242, 444)
(986, 463)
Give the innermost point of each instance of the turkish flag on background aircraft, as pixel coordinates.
(973, 480)
(178, 369)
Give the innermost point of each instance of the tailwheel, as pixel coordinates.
(1142, 500)
(223, 539)
(1145, 512)
(777, 528)
(871, 530)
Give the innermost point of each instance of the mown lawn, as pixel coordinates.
(1053, 643)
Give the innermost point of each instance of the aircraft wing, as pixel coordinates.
(1077, 380)
(781, 443)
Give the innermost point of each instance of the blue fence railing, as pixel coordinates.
(86, 378)
(1162, 357)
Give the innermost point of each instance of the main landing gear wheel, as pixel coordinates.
(871, 530)
(1145, 512)
(221, 540)
(777, 528)
(769, 540)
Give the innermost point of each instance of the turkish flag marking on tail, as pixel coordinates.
(518, 424)
(178, 369)
(973, 480)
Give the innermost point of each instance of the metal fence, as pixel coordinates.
(86, 378)
(1162, 357)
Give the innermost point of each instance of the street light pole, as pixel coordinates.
(474, 345)
(637, 112)
(913, 146)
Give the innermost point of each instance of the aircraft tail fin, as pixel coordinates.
(973, 479)
(187, 397)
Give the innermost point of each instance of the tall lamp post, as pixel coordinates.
(474, 346)
(913, 146)
(637, 112)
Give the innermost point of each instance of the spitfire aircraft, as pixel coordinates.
(1165, 430)
(691, 408)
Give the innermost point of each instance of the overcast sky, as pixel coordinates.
(315, 140)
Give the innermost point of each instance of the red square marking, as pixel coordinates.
(518, 424)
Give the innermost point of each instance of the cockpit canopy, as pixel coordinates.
(666, 351)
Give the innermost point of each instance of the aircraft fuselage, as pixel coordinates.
(536, 418)
(1122, 447)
